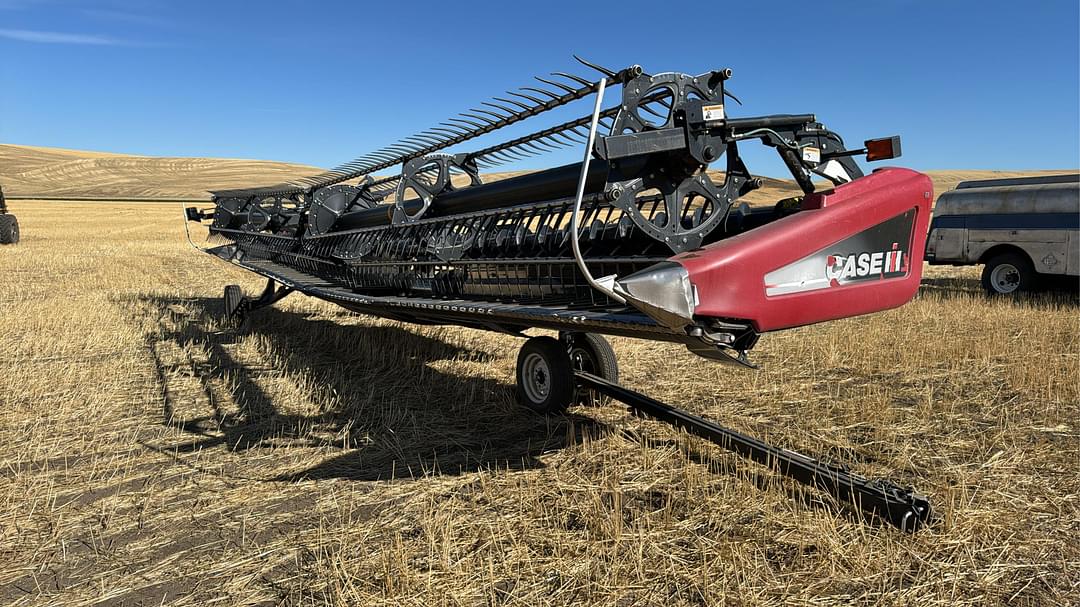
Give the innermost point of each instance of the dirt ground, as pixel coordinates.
(150, 455)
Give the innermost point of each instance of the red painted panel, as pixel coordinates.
(851, 221)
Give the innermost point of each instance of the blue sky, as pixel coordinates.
(986, 85)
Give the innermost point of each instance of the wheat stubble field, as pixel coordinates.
(151, 455)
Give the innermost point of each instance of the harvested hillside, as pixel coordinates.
(51, 172)
(27, 171)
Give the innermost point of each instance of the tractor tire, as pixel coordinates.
(545, 379)
(9, 229)
(592, 354)
(1008, 274)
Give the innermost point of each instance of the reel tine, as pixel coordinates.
(542, 142)
(457, 129)
(517, 103)
(476, 125)
(496, 116)
(501, 107)
(602, 70)
(451, 134)
(577, 79)
(438, 137)
(527, 146)
(487, 120)
(530, 150)
(517, 153)
(566, 135)
(417, 140)
(402, 147)
(529, 97)
(562, 86)
(502, 155)
(541, 91)
(551, 140)
(430, 139)
(360, 165)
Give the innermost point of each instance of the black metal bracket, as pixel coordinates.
(192, 214)
(237, 306)
(271, 294)
(899, 506)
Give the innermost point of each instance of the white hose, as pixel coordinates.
(581, 194)
(187, 232)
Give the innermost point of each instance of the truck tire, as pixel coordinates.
(593, 354)
(1009, 273)
(545, 379)
(9, 229)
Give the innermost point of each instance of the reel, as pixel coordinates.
(648, 101)
(331, 202)
(230, 212)
(429, 176)
(674, 202)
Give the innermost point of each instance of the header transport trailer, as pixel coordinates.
(635, 240)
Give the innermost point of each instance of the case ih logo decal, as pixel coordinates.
(864, 265)
(880, 252)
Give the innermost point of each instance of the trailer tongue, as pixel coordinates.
(897, 505)
(636, 240)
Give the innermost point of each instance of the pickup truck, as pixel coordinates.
(1023, 230)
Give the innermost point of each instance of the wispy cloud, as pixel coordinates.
(58, 37)
(123, 16)
(18, 5)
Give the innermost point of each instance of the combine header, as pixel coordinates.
(636, 240)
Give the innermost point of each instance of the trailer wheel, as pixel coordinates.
(592, 354)
(1008, 273)
(545, 379)
(9, 229)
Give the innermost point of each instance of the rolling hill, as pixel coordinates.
(29, 171)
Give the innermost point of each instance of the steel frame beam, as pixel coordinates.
(900, 507)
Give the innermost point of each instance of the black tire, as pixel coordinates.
(593, 354)
(9, 229)
(1008, 274)
(231, 303)
(545, 379)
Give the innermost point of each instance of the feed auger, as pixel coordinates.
(636, 240)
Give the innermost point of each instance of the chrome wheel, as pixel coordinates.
(536, 377)
(1005, 278)
(545, 379)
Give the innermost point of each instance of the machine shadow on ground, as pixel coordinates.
(387, 410)
(409, 422)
